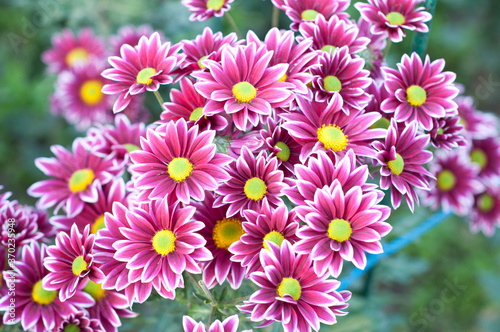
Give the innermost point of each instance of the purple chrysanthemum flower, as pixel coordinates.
(485, 214)
(129, 35)
(486, 154)
(447, 133)
(244, 85)
(252, 180)
(455, 185)
(202, 10)
(140, 68)
(344, 76)
(230, 324)
(478, 125)
(308, 10)
(75, 177)
(179, 161)
(395, 16)
(79, 322)
(69, 50)
(419, 91)
(292, 293)
(402, 156)
(23, 230)
(71, 262)
(321, 126)
(37, 309)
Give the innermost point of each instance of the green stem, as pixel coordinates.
(159, 98)
(233, 24)
(387, 47)
(421, 39)
(276, 17)
(237, 300)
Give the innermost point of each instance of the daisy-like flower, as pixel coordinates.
(80, 322)
(25, 228)
(37, 308)
(161, 243)
(180, 161)
(129, 35)
(478, 125)
(486, 154)
(485, 214)
(402, 156)
(394, 17)
(292, 293)
(202, 10)
(344, 76)
(229, 324)
(71, 262)
(419, 91)
(244, 85)
(220, 232)
(319, 126)
(261, 226)
(456, 183)
(308, 10)
(342, 226)
(141, 68)
(252, 180)
(188, 104)
(69, 50)
(447, 132)
(75, 178)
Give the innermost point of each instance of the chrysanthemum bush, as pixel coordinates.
(275, 163)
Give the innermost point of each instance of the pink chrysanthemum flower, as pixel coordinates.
(75, 177)
(402, 156)
(307, 10)
(129, 35)
(141, 68)
(179, 161)
(292, 293)
(321, 126)
(486, 154)
(188, 104)
(252, 180)
(455, 185)
(252, 140)
(419, 91)
(69, 50)
(25, 228)
(478, 125)
(161, 243)
(230, 324)
(485, 214)
(394, 17)
(378, 94)
(80, 322)
(342, 226)
(71, 262)
(261, 226)
(244, 85)
(220, 232)
(447, 133)
(38, 309)
(202, 10)
(344, 76)
(327, 35)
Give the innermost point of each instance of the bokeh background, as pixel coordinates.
(448, 280)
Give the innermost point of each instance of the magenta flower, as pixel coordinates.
(292, 293)
(402, 157)
(252, 180)
(238, 139)
(394, 17)
(140, 68)
(180, 161)
(69, 50)
(37, 308)
(25, 228)
(308, 10)
(485, 214)
(319, 126)
(344, 76)
(244, 85)
(129, 35)
(202, 10)
(478, 125)
(419, 91)
(486, 154)
(80, 321)
(230, 324)
(75, 178)
(447, 133)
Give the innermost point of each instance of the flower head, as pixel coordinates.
(308, 10)
(447, 133)
(81, 322)
(485, 214)
(202, 10)
(486, 154)
(23, 230)
(477, 125)
(230, 324)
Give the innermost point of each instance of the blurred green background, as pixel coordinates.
(449, 280)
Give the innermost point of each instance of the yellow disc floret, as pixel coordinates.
(255, 189)
(90, 92)
(76, 56)
(291, 287)
(215, 4)
(416, 95)
(485, 203)
(41, 295)
(98, 224)
(80, 180)
(332, 137)
(339, 230)
(309, 14)
(446, 180)
(479, 157)
(144, 76)
(397, 165)
(179, 169)
(395, 18)
(244, 92)
(164, 242)
(196, 114)
(284, 154)
(79, 265)
(332, 84)
(95, 290)
(226, 232)
(275, 237)
(328, 48)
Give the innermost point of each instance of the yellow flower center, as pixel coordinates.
(79, 265)
(215, 4)
(485, 203)
(244, 92)
(291, 287)
(381, 123)
(309, 14)
(332, 137)
(76, 56)
(479, 157)
(275, 237)
(90, 92)
(98, 224)
(179, 169)
(328, 48)
(446, 180)
(196, 114)
(397, 165)
(226, 232)
(80, 180)
(416, 95)
(255, 189)
(164, 242)
(284, 154)
(283, 78)
(144, 76)
(339, 230)
(395, 18)
(200, 62)
(71, 328)
(95, 290)
(41, 295)
(332, 84)
(131, 147)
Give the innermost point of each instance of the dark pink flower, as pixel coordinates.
(486, 154)
(477, 125)
(23, 230)
(485, 214)
(230, 324)
(307, 10)
(447, 133)
(202, 10)
(80, 321)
